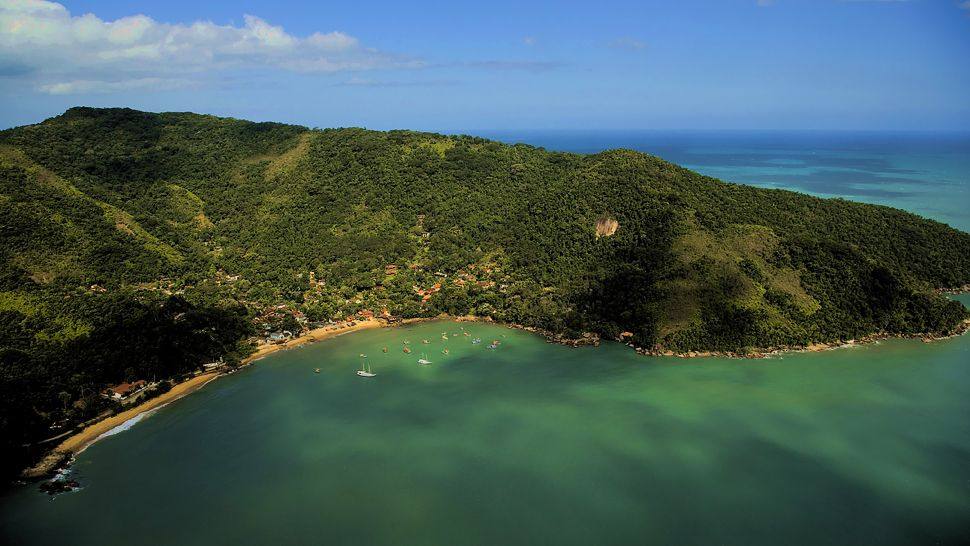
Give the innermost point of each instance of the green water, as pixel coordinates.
(534, 443)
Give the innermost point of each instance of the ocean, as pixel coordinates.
(924, 173)
(533, 443)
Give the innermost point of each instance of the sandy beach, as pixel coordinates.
(317, 334)
(77, 442)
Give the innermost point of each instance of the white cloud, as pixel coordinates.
(94, 86)
(630, 44)
(503, 65)
(965, 5)
(65, 53)
(366, 82)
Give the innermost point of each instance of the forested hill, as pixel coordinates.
(140, 245)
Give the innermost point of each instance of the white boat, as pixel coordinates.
(365, 371)
(424, 360)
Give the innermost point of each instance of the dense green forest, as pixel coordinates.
(139, 245)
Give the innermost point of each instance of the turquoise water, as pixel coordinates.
(533, 443)
(925, 173)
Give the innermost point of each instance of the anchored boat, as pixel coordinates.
(365, 371)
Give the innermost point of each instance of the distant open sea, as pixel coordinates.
(924, 173)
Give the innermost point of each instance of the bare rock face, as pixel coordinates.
(606, 226)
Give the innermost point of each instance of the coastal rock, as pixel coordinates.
(47, 466)
(58, 486)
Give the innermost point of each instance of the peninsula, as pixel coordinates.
(143, 246)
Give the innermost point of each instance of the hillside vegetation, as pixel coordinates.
(141, 245)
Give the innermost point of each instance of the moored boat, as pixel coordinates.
(365, 371)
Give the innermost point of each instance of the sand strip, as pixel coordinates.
(80, 440)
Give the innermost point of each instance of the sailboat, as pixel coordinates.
(424, 359)
(364, 371)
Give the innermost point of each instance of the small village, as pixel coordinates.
(282, 322)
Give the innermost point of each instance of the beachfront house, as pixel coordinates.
(279, 337)
(213, 365)
(122, 391)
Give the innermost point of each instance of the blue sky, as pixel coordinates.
(465, 66)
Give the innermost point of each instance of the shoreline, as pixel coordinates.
(81, 440)
(317, 334)
(816, 347)
(593, 340)
(74, 444)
